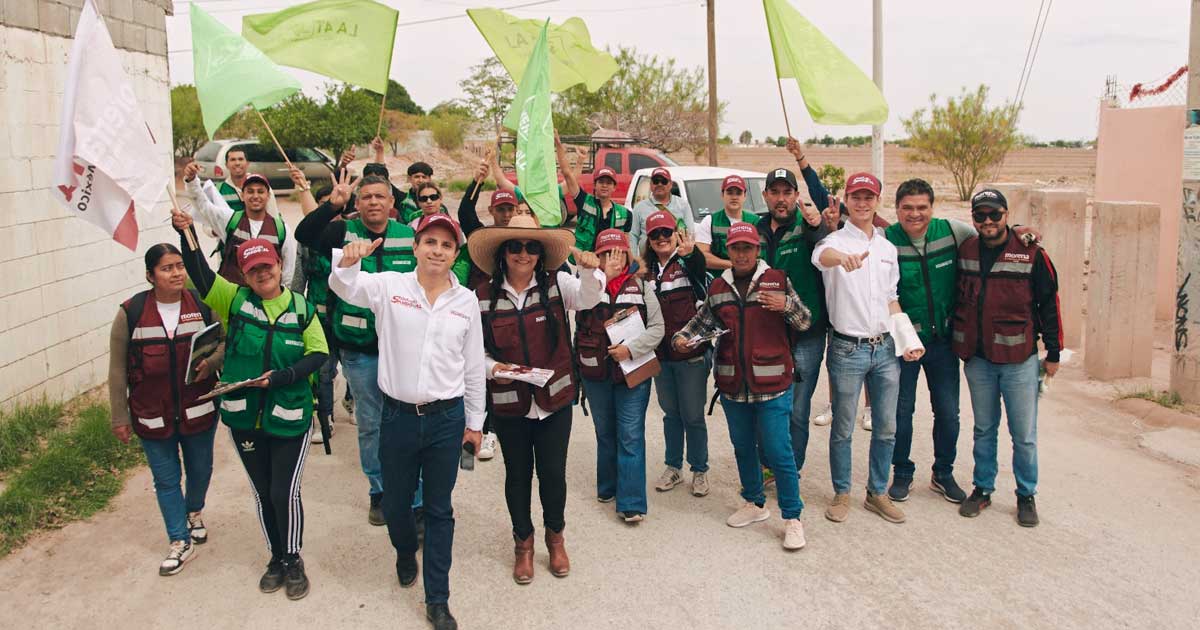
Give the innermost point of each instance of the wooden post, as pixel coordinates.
(1060, 216)
(712, 83)
(1119, 342)
(1185, 362)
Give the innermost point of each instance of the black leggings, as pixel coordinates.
(527, 444)
(275, 465)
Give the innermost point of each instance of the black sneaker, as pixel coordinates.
(295, 579)
(375, 513)
(406, 569)
(975, 503)
(1026, 511)
(898, 491)
(439, 615)
(948, 488)
(633, 517)
(272, 580)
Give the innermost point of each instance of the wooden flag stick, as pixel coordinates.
(783, 105)
(382, 107)
(273, 138)
(190, 233)
(487, 156)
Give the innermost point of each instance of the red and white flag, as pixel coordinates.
(107, 162)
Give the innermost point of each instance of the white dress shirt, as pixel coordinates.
(214, 214)
(577, 294)
(427, 352)
(858, 300)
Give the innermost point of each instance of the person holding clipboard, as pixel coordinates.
(618, 399)
(151, 395)
(524, 309)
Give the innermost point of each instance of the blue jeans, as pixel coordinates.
(412, 447)
(941, 375)
(163, 457)
(619, 414)
(1017, 384)
(806, 354)
(850, 365)
(682, 387)
(765, 424)
(362, 374)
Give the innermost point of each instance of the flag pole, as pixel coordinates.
(273, 138)
(382, 107)
(190, 233)
(783, 105)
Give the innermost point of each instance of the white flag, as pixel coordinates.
(107, 163)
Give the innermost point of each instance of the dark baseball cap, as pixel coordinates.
(661, 172)
(501, 197)
(255, 177)
(782, 175)
(989, 198)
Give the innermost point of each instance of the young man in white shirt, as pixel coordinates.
(860, 269)
(431, 370)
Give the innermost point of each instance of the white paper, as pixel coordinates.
(538, 377)
(623, 332)
(1191, 154)
(696, 340)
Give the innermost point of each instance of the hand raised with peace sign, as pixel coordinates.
(355, 251)
(342, 190)
(686, 243)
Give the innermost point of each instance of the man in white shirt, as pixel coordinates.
(660, 199)
(431, 370)
(860, 269)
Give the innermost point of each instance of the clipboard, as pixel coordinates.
(644, 368)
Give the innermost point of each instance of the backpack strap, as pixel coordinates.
(206, 311)
(133, 311)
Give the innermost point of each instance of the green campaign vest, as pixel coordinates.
(231, 197)
(793, 256)
(720, 228)
(316, 273)
(354, 327)
(591, 224)
(256, 345)
(928, 279)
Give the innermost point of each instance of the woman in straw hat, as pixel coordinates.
(524, 308)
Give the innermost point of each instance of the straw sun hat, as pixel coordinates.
(484, 242)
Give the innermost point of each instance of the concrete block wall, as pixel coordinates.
(62, 279)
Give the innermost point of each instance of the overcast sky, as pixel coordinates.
(930, 46)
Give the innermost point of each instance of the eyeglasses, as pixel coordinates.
(661, 234)
(425, 198)
(534, 248)
(659, 181)
(994, 215)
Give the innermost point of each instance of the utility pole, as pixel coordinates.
(712, 83)
(877, 74)
(1185, 364)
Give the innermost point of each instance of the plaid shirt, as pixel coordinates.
(705, 322)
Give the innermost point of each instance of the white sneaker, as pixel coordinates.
(793, 535)
(864, 418)
(825, 417)
(180, 552)
(196, 528)
(748, 514)
(487, 447)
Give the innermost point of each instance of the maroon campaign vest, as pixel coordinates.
(996, 309)
(677, 298)
(522, 337)
(591, 339)
(159, 402)
(240, 233)
(756, 354)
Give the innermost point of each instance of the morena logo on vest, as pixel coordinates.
(1016, 256)
(187, 317)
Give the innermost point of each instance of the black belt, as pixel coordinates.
(424, 409)
(876, 340)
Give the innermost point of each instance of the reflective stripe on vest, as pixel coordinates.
(1010, 340)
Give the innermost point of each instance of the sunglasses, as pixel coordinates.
(994, 215)
(534, 248)
(425, 198)
(659, 180)
(661, 234)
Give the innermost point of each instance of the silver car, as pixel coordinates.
(265, 160)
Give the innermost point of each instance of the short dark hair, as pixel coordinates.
(233, 150)
(916, 186)
(156, 253)
(420, 167)
(375, 179)
(323, 191)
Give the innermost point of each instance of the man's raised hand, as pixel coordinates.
(342, 190)
(355, 251)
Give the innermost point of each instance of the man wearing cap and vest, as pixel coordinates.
(759, 309)
(860, 272)
(238, 226)
(596, 212)
(712, 229)
(1007, 297)
(662, 199)
(353, 327)
(230, 188)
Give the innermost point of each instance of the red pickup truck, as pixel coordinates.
(621, 154)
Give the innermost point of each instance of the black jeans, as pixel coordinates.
(412, 447)
(275, 466)
(527, 444)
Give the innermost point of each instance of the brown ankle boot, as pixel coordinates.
(560, 564)
(523, 563)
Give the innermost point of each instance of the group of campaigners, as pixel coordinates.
(427, 315)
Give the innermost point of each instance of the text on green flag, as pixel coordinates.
(573, 59)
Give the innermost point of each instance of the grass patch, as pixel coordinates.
(1170, 400)
(460, 185)
(78, 472)
(23, 430)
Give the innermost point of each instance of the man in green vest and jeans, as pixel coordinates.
(597, 211)
(711, 231)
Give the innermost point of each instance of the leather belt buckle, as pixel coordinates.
(874, 341)
(417, 407)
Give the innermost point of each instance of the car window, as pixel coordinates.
(612, 160)
(260, 153)
(754, 201)
(666, 160)
(638, 161)
(208, 152)
(304, 154)
(641, 190)
(704, 196)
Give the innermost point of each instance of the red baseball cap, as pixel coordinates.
(443, 220)
(611, 238)
(605, 172)
(255, 177)
(863, 181)
(256, 251)
(741, 232)
(733, 181)
(501, 197)
(660, 220)
(661, 172)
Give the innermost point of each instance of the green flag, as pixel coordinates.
(573, 59)
(230, 73)
(348, 40)
(835, 91)
(530, 117)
